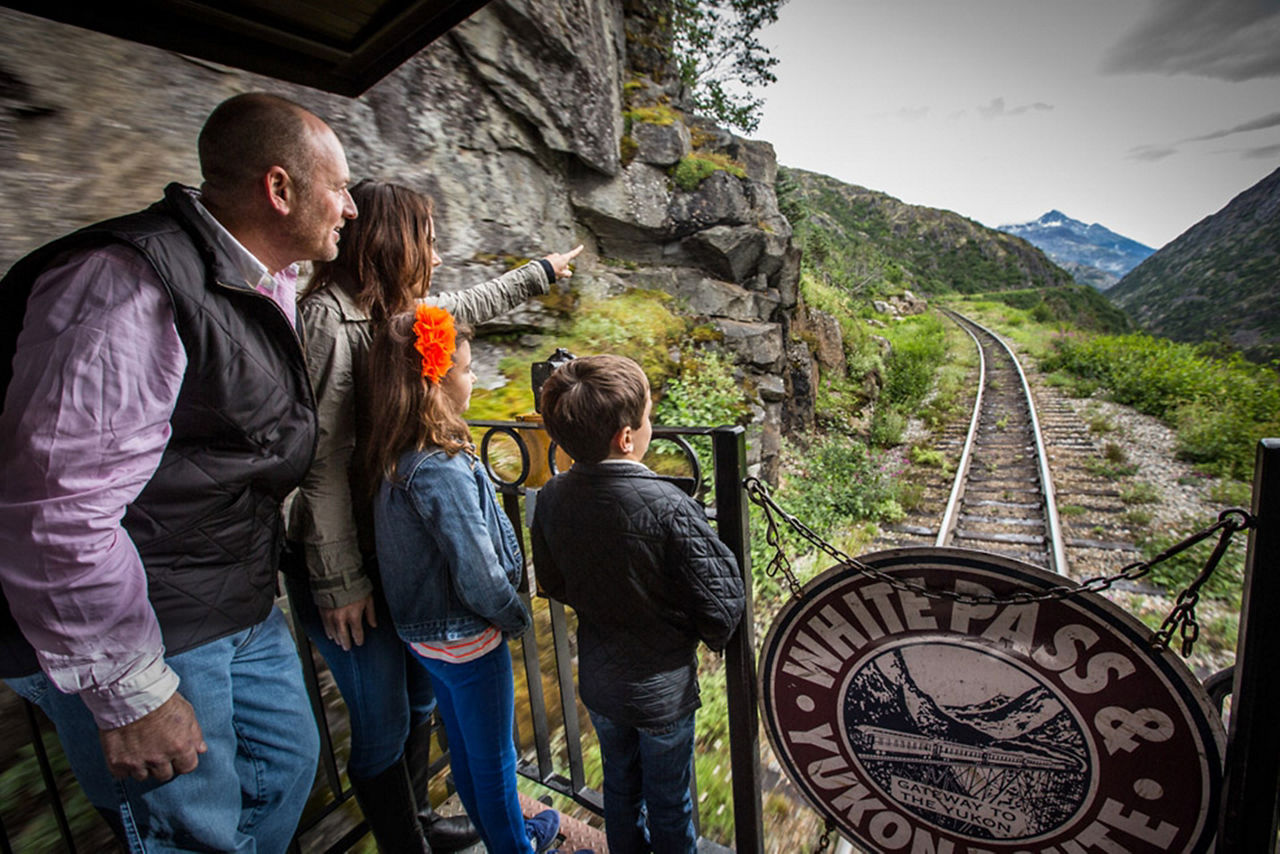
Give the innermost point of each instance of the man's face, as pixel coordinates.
(323, 203)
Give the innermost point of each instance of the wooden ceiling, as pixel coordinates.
(342, 46)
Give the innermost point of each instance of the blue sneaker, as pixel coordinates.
(542, 830)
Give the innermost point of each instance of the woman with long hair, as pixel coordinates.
(383, 268)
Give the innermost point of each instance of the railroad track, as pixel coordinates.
(1001, 499)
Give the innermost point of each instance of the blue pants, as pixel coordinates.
(647, 772)
(248, 791)
(477, 703)
(385, 691)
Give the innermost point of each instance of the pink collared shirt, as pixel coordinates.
(97, 372)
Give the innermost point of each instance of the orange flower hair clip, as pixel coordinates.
(436, 339)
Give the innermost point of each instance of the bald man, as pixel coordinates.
(156, 413)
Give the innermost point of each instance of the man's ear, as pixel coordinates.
(280, 189)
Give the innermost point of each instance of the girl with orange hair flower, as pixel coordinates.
(450, 562)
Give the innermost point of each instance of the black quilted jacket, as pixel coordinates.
(635, 558)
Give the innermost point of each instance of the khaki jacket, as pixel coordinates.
(330, 516)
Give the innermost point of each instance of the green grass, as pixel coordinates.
(1179, 571)
(697, 166)
(1140, 493)
(1110, 470)
(1137, 518)
(1233, 493)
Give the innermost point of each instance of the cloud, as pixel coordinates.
(905, 114)
(996, 109)
(1265, 152)
(1223, 39)
(1262, 123)
(1151, 153)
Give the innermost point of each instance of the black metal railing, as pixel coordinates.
(519, 457)
(1251, 796)
(1251, 784)
(557, 735)
(728, 508)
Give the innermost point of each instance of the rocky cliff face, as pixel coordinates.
(513, 122)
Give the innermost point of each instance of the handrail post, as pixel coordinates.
(1247, 821)
(729, 449)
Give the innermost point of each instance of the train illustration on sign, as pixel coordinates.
(873, 742)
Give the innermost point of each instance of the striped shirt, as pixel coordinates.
(460, 651)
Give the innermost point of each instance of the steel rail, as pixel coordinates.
(1055, 552)
(952, 513)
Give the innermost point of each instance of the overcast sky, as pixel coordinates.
(1143, 115)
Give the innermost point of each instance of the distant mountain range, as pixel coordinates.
(870, 244)
(876, 237)
(1220, 280)
(1093, 254)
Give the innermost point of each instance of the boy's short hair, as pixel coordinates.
(586, 401)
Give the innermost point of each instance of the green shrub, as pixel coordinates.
(919, 346)
(703, 393)
(831, 486)
(887, 427)
(843, 481)
(1219, 408)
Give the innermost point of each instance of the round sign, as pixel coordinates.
(921, 724)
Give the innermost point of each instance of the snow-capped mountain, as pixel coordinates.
(1083, 249)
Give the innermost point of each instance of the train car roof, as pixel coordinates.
(341, 46)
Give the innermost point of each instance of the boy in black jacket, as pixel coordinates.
(635, 558)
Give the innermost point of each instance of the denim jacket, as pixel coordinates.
(448, 556)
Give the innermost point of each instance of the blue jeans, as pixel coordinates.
(477, 703)
(385, 691)
(647, 771)
(248, 791)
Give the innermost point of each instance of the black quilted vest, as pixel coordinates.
(208, 524)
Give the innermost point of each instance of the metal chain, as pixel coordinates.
(825, 839)
(1181, 617)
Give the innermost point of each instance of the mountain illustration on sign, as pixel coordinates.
(967, 741)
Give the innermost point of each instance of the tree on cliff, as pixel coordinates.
(720, 58)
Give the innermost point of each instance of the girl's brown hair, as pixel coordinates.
(411, 411)
(384, 260)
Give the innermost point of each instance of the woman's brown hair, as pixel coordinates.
(384, 260)
(411, 411)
